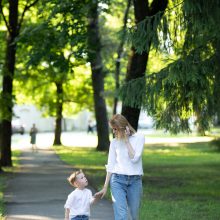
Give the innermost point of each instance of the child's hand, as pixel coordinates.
(97, 196)
(101, 193)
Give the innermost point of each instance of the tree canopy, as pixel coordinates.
(189, 85)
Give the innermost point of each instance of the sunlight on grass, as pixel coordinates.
(181, 181)
(179, 210)
(2, 183)
(91, 161)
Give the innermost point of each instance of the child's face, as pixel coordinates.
(81, 180)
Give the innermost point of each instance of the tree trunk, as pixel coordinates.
(138, 62)
(59, 109)
(119, 56)
(0, 143)
(95, 59)
(217, 82)
(8, 74)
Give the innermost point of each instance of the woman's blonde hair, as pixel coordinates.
(72, 178)
(120, 122)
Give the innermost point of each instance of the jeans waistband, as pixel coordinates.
(122, 175)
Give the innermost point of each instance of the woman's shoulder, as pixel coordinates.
(114, 140)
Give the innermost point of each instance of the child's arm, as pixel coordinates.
(67, 212)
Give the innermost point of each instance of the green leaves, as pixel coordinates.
(187, 87)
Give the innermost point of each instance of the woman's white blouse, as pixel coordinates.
(118, 159)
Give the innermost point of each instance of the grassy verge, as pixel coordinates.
(3, 178)
(180, 182)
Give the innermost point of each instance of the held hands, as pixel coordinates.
(101, 193)
(96, 198)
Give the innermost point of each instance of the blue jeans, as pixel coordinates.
(80, 217)
(126, 195)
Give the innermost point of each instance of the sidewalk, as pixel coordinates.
(38, 189)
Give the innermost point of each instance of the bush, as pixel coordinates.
(216, 143)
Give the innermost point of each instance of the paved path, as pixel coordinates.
(38, 189)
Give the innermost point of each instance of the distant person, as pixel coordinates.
(77, 206)
(33, 134)
(90, 127)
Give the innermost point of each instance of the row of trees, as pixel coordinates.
(58, 54)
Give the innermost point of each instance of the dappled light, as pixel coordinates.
(180, 175)
(30, 216)
(67, 68)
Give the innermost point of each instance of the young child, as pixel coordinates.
(77, 206)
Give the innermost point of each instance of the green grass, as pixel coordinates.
(87, 159)
(2, 183)
(180, 181)
(3, 178)
(215, 132)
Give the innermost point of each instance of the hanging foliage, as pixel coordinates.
(188, 86)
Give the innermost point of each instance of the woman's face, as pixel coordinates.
(117, 132)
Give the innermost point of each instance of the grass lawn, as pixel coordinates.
(180, 182)
(3, 178)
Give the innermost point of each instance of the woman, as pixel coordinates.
(124, 169)
(33, 134)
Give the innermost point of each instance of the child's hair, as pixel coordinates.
(72, 178)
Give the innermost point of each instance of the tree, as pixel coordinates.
(95, 59)
(138, 62)
(13, 25)
(50, 63)
(119, 55)
(188, 86)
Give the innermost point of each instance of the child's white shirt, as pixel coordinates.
(79, 202)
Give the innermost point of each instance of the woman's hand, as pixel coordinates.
(127, 134)
(127, 131)
(101, 193)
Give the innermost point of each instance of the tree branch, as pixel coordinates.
(26, 8)
(4, 18)
(158, 6)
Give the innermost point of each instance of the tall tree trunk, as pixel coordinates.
(0, 143)
(95, 59)
(119, 56)
(59, 109)
(138, 62)
(217, 82)
(199, 122)
(8, 74)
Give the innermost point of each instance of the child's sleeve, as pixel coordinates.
(69, 201)
(91, 198)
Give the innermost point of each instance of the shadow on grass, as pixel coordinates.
(181, 181)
